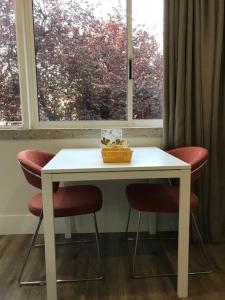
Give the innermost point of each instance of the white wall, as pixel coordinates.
(15, 191)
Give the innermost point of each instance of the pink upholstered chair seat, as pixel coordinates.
(70, 201)
(162, 198)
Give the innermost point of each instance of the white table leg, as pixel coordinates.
(152, 221)
(67, 224)
(49, 236)
(68, 230)
(183, 234)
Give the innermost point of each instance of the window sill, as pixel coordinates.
(39, 134)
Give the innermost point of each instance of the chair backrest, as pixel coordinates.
(32, 161)
(195, 156)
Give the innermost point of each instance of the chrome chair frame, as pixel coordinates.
(32, 244)
(134, 274)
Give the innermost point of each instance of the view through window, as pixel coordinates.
(148, 58)
(95, 61)
(10, 110)
(82, 64)
(81, 60)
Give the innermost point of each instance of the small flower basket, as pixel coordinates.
(117, 151)
(116, 155)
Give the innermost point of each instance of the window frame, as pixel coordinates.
(28, 80)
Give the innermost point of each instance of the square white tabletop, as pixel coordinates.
(90, 160)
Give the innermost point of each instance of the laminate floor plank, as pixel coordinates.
(153, 256)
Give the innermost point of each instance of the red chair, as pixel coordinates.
(164, 198)
(68, 201)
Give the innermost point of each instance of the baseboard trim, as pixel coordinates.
(25, 224)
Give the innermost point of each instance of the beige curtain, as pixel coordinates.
(194, 108)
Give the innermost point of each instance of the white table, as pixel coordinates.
(86, 164)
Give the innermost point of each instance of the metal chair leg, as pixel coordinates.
(99, 273)
(128, 222)
(133, 264)
(43, 282)
(136, 245)
(66, 243)
(202, 247)
(98, 248)
(34, 237)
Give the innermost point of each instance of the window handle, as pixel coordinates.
(130, 69)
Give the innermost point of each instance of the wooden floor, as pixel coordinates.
(117, 285)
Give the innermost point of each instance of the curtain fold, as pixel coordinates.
(194, 96)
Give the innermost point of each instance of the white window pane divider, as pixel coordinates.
(20, 41)
(153, 123)
(30, 66)
(83, 124)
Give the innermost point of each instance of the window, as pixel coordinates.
(85, 63)
(81, 60)
(148, 59)
(10, 110)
